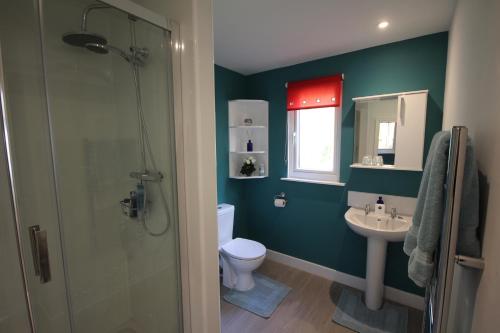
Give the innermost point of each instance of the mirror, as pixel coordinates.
(375, 130)
(390, 131)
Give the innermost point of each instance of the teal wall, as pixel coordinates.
(312, 226)
(228, 85)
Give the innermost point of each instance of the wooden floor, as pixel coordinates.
(307, 308)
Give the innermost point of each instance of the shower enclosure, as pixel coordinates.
(88, 197)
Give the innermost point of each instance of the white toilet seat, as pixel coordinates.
(244, 249)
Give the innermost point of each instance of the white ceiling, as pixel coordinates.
(256, 35)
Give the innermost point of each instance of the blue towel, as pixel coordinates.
(422, 239)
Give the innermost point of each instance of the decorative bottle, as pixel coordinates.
(249, 145)
(262, 171)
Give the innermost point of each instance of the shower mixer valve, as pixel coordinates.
(147, 176)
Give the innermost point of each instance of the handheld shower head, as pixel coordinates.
(136, 57)
(97, 48)
(105, 49)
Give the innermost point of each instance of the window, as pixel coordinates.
(314, 117)
(314, 144)
(386, 131)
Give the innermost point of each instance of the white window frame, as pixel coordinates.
(312, 175)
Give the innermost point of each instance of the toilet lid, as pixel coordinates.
(245, 249)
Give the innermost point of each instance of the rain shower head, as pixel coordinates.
(82, 38)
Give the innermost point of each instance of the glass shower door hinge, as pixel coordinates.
(147, 176)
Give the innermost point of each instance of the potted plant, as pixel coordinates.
(248, 166)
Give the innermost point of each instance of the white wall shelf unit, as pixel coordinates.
(248, 126)
(246, 152)
(248, 120)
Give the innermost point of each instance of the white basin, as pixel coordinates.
(380, 226)
(379, 229)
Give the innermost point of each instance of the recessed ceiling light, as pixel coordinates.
(383, 25)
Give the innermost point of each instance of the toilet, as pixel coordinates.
(239, 257)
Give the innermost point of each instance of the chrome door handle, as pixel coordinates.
(40, 252)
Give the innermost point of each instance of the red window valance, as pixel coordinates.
(316, 93)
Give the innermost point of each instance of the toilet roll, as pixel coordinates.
(279, 202)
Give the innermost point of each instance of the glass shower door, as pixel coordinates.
(28, 198)
(112, 228)
(113, 140)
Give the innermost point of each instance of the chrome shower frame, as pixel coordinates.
(86, 12)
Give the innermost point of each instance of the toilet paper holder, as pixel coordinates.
(280, 200)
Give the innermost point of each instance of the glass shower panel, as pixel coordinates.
(14, 315)
(29, 136)
(113, 140)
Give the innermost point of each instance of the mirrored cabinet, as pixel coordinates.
(389, 131)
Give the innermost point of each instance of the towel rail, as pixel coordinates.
(438, 293)
(471, 262)
(439, 290)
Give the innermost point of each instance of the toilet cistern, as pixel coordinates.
(239, 257)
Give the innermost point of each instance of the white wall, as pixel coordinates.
(471, 99)
(198, 191)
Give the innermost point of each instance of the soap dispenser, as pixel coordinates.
(380, 207)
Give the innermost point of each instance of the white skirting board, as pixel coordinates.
(393, 294)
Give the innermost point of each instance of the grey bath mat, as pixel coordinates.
(351, 312)
(263, 299)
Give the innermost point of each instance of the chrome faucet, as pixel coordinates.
(394, 213)
(367, 209)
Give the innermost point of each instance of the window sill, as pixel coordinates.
(320, 182)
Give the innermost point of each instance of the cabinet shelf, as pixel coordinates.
(248, 152)
(248, 126)
(245, 177)
(383, 167)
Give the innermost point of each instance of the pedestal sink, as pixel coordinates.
(379, 229)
